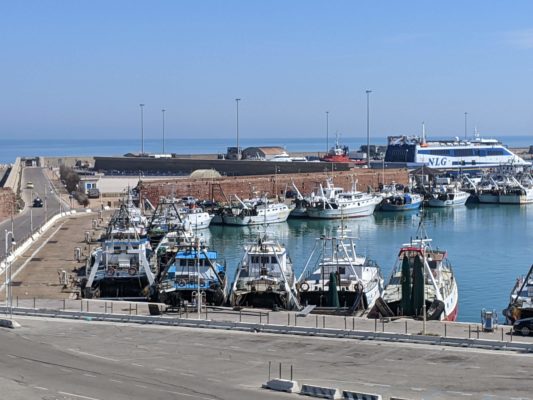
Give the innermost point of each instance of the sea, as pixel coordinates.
(489, 246)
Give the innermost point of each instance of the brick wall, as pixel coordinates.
(7, 202)
(244, 187)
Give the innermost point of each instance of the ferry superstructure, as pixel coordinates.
(456, 153)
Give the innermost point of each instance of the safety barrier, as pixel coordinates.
(282, 385)
(320, 391)
(359, 396)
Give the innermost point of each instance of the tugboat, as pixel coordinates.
(337, 154)
(521, 301)
(343, 282)
(191, 270)
(422, 281)
(265, 278)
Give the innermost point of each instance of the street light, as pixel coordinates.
(238, 148)
(368, 128)
(7, 282)
(327, 131)
(466, 115)
(163, 112)
(31, 213)
(142, 128)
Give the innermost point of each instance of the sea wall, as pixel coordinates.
(219, 189)
(7, 203)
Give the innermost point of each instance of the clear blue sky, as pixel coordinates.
(74, 69)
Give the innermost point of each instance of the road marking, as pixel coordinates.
(93, 355)
(185, 394)
(137, 365)
(39, 387)
(186, 374)
(78, 395)
(141, 386)
(418, 389)
(459, 393)
(214, 380)
(115, 380)
(161, 369)
(375, 384)
(90, 375)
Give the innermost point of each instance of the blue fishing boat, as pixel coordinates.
(401, 202)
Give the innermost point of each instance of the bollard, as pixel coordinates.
(288, 322)
(268, 318)
(445, 326)
(502, 334)
(105, 307)
(136, 308)
(111, 307)
(317, 321)
(34, 302)
(279, 370)
(17, 301)
(406, 327)
(240, 316)
(295, 320)
(375, 325)
(469, 331)
(206, 313)
(353, 323)
(511, 334)
(382, 325)
(261, 320)
(81, 306)
(323, 321)
(344, 325)
(129, 307)
(87, 305)
(179, 312)
(291, 372)
(478, 332)
(269, 364)
(64, 304)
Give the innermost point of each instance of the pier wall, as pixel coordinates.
(275, 184)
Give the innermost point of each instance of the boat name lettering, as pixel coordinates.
(437, 161)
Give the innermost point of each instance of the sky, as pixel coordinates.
(80, 69)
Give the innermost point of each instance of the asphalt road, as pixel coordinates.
(85, 360)
(23, 222)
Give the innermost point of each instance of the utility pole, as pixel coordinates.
(163, 112)
(238, 148)
(368, 128)
(142, 129)
(327, 132)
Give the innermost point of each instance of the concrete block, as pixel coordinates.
(282, 385)
(9, 323)
(322, 392)
(360, 396)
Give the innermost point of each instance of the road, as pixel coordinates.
(56, 359)
(23, 222)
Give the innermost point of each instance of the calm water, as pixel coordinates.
(488, 245)
(13, 148)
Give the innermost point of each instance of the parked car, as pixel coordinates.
(523, 326)
(93, 193)
(37, 202)
(29, 185)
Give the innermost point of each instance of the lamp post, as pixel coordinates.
(163, 112)
(327, 132)
(368, 128)
(466, 116)
(31, 214)
(7, 282)
(142, 128)
(238, 148)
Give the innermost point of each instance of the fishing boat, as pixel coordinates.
(421, 282)
(191, 270)
(255, 212)
(300, 204)
(120, 268)
(448, 196)
(165, 218)
(401, 202)
(516, 192)
(265, 278)
(196, 217)
(521, 299)
(336, 279)
(333, 202)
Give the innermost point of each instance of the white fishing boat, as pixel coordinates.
(196, 217)
(335, 277)
(516, 193)
(265, 278)
(422, 281)
(448, 196)
(255, 212)
(333, 202)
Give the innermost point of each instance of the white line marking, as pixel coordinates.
(90, 375)
(141, 386)
(185, 394)
(459, 393)
(186, 374)
(214, 380)
(93, 355)
(161, 369)
(114, 380)
(39, 387)
(78, 395)
(418, 389)
(11, 356)
(137, 365)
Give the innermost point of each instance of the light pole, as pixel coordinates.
(163, 112)
(238, 148)
(368, 128)
(466, 116)
(31, 214)
(142, 129)
(327, 132)
(7, 282)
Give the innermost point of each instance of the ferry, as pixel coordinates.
(414, 152)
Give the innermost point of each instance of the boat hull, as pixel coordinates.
(343, 212)
(271, 218)
(260, 299)
(403, 207)
(488, 198)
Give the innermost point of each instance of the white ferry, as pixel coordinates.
(414, 151)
